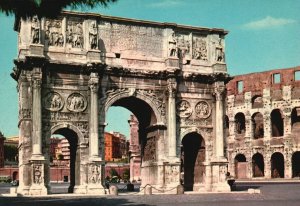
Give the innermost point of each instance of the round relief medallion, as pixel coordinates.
(202, 110)
(53, 101)
(76, 102)
(184, 109)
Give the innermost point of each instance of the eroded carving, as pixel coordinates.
(53, 33)
(183, 46)
(173, 50)
(37, 174)
(184, 109)
(35, 30)
(74, 34)
(150, 149)
(53, 101)
(93, 32)
(202, 110)
(94, 174)
(76, 102)
(220, 54)
(199, 48)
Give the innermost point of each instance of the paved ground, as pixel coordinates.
(272, 194)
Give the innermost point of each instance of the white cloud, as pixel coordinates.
(268, 22)
(166, 3)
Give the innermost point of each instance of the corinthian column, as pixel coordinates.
(94, 137)
(37, 116)
(172, 84)
(219, 94)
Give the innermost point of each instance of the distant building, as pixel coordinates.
(53, 147)
(13, 141)
(1, 150)
(134, 149)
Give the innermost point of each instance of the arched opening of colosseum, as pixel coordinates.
(68, 159)
(193, 156)
(295, 123)
(240, 127)
(258, 125)
(240, 166)
(146, 141)
(277, 123)
(257, 101)
(296, 164)
(277, 165)
(258, 165)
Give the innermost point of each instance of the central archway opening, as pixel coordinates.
(67, 159)
(140, 120)
(193, 156)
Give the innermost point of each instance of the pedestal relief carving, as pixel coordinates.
(94, 174)
(53, 33)
(74, 34)
(184, 109)
(76, 102)
(53, 101)
(37, 174)
(202, 110)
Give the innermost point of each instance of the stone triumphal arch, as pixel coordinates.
(70, 70)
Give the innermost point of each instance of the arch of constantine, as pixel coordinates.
(70, 70)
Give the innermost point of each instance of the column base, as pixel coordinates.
(23, 190)
(80, 189)
(38, 190)
(221, 187)
(95, 189)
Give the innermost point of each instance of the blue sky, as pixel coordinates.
(263, 35)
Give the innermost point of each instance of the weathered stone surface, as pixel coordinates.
(72, 69)
(269, 104)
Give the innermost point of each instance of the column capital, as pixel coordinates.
(219, 90)
(94, 82)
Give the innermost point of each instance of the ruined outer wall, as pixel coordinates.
(262, 95)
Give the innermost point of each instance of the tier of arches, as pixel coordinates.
(258, 162)
(258, 123)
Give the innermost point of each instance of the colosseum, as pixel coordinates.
(263, 123)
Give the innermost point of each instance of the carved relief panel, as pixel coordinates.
(200, 48)
(53, 33)
(150, 149)
(194, 112)
(76, 102)
(74, 34)
(53, 101)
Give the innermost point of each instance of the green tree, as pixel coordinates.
(46, 8)
(10, 152)
(126, 174)
(113, 172)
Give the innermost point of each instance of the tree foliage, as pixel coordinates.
(113, 172)
(46, 8)
(10, 152)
